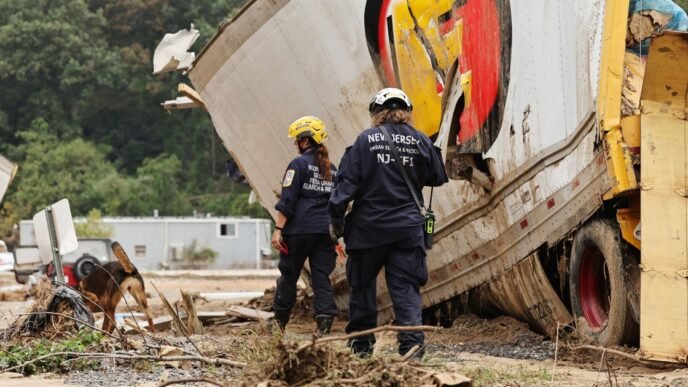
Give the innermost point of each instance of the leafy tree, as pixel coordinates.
(196, 256)
(80, 111)
(93, 227)
(54, 57)
(54, 169)
(158, 188)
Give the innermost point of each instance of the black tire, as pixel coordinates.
(85, 266)
(597, 286)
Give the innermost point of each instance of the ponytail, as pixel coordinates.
(322, 157)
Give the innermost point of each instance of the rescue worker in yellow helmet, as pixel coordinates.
(301, 228)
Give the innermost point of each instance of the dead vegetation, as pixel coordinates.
(326, 365)
(239, 348)
(41, 319)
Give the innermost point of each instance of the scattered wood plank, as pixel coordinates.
(161, 323)
(249, 313)
(193, 324)
(176, 321)
(231, 324)
(451, 379)
(211, 315)
(165, 322)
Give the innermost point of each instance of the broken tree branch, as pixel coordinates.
(102, 355)
(193, 324)
(410, 353)
(608, 350)
(190, 380)
(70, 318)
(177, 322)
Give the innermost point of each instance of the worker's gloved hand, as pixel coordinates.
(336, 232)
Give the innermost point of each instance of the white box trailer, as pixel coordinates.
(155, 243)
(525, 99)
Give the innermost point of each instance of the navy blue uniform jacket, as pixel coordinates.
(304, 196)
(384, 211)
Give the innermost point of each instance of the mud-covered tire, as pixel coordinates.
(85, 266)
(597, 286)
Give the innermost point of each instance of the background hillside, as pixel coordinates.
(80, 111)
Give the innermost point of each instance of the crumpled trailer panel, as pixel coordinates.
(510, 85)
(7, 172)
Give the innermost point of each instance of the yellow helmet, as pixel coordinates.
(308, 126)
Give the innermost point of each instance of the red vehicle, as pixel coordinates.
(91, 253)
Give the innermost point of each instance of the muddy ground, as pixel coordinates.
(500, 351)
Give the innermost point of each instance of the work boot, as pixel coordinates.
(280, 321)
(362, 346)
(324, 323)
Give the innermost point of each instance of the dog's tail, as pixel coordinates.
(123, 258)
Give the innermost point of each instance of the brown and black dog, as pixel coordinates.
(106, 284)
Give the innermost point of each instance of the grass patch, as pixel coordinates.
(83, 341)
(486, 376)
(257, 349)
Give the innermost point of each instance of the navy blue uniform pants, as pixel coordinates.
(319, 250)
(405, 272)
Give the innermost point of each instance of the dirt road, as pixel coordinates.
(499, 351)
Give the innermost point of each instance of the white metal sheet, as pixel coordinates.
(64, 230)
(7, 170)
(313, 58)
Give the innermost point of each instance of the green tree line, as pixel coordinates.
(80, 111)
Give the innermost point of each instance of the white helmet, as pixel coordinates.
(389, 98)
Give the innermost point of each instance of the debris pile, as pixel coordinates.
(325, 365)
(303, 309)
(54, 313)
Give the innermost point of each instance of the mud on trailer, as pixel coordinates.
(563, 128)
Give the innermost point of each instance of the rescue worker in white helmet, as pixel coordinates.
(301, 228)
(385, 227)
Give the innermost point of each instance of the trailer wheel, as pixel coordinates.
(598, 290)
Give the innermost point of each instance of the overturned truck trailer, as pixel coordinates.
(537, 106)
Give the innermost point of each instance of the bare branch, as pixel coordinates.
(410, 353)
(190, 380)
(73, 319)
(612, 351)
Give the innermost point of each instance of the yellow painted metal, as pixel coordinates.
(664, 201)
(628, 219)
(619, 162)
(619, 158)
(416, 73)
(630, 129)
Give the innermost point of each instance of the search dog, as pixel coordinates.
(105, 286)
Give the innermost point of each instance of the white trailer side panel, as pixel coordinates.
(282, 59)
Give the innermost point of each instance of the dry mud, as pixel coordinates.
(500, 351)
